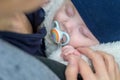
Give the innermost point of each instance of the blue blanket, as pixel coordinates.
(102, 17)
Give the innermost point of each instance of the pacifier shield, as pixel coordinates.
(55, 35)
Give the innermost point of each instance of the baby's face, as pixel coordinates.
(72, 23)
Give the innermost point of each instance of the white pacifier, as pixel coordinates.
(57, 34)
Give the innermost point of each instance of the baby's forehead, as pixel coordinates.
(67, 9)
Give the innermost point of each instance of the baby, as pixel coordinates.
(69, 21)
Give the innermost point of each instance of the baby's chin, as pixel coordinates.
(81, 44)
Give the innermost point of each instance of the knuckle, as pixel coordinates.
(110, 57)
(98, 56)
(98, 51)
(117, 65)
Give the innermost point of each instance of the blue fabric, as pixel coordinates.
(102, 17)
(31, 43)
(36, 18)
(15, 64)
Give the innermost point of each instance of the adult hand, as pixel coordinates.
(10, 6)
(104, 65)
(72, 69)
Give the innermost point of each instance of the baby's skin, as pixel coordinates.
(69, 50)
(71, 22)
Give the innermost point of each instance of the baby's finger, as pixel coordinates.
(67, 50)
(67, 47)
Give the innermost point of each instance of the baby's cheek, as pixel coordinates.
(75, 41)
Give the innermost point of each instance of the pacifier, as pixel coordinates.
(57, 34)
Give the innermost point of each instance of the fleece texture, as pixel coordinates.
(53, 50)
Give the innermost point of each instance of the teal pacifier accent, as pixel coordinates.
(57, 34)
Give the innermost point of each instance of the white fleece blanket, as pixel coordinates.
(53, 50)
(112, 48)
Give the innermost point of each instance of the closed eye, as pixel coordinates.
(69, 9)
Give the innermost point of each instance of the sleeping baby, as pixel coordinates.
(66, 31)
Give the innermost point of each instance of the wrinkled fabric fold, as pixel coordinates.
(101, 17)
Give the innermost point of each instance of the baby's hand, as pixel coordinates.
(69, 50)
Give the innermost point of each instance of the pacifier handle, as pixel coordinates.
(56, 24)
(67, 39)
(57, 34)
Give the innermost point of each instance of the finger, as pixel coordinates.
(76, 53)
(68, 47)
(97, 60)
(110, 64)
(72, 68)
(117, 70)
(67, 50)
(85, 70)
